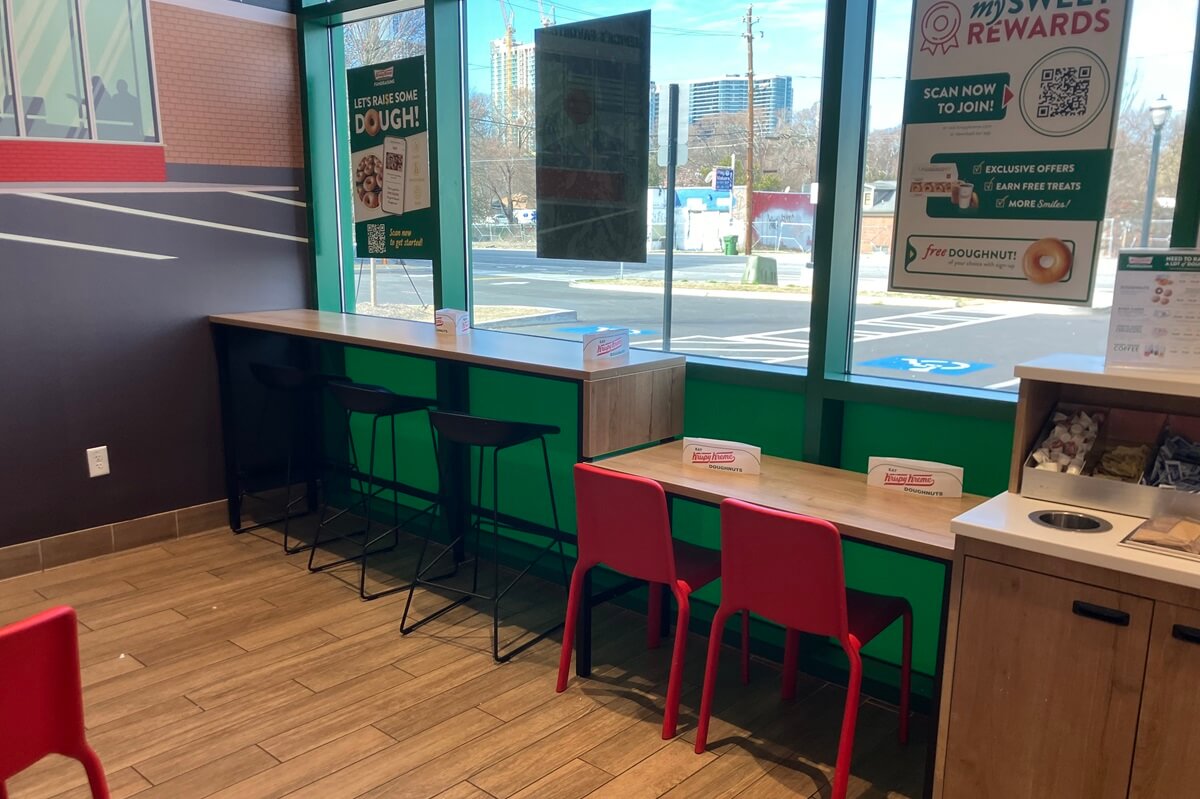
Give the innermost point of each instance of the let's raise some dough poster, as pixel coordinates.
(389, 160)
(1007, 147)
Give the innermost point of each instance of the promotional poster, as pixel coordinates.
(1007, 147)
(389, 159)
(593, 79)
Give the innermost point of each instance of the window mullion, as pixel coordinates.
(88, 94)
(839, 170)
(1185, 227)
(18, 98)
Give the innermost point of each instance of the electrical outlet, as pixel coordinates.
(97, 458)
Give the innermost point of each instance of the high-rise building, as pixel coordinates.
(512, 73)
(772, 98)
(654, 111)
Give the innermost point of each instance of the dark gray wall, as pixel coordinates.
(102, 348)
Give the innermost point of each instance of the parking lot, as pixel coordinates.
(930, 339)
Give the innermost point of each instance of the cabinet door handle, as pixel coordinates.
(1184, 633)
(1100, 613)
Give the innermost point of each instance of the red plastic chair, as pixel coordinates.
(623, 524)
(788, 568)
(41, 699)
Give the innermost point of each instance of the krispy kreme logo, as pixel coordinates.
(384, 75)
(608, 347)
(721, 456)
(1141, 260)
(907, 479)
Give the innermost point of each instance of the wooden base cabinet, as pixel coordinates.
(1167, 759)
(1068, 682)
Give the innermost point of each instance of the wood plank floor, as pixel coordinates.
(215, 667)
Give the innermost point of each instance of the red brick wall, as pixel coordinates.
(228, 89)
(876, 231)
(39, 160)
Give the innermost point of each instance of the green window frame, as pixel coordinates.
(827, 385)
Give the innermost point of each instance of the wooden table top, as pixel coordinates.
(920, 525)
(519, 352)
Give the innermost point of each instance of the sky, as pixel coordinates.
(692, 40)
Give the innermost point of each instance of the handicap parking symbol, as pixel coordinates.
(915, 364)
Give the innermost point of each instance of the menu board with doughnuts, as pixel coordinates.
(1155, 322)
(1009, 119)
(389, 160)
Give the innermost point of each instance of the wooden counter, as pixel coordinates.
(623, 403)
(917, 525)
(513, 351)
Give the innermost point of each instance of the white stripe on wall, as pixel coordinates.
(119, 209)
(76, 245)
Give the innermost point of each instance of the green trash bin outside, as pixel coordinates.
(730, 243)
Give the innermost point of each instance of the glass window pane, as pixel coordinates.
(714, 313)
(976, 342)
(398, 288)
(8, 114)
(50, 68)
(119, 66)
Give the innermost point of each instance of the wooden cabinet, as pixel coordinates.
(1166, 762)
(1067, 680)
(1047, 679)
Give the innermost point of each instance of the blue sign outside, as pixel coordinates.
(723, 178)
(929, 366)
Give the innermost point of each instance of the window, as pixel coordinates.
(47, 91)
(118, 54)
(8, 116)
(975, 342)
(395, 287)
(50, 69)
(712, 311)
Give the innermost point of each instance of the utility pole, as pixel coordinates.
(750, 21)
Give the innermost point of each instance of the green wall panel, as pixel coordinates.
(982, 447)
(414, 445)
(514, 397)
(773, 420)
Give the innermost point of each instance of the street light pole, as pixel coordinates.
(1160, 109)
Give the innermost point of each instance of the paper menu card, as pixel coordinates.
(1155, 322)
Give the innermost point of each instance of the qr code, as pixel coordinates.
(1064, 92)
(377, 239)
(393, 162)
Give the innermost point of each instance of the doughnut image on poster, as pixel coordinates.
(1046, 261)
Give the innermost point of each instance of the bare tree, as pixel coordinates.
(386, 38)
(502, 154)
(882, 160)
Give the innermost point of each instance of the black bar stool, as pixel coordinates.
(379, 403)
(483, 434)
(296, 390)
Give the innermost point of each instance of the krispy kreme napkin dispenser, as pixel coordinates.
(921, 478)
(451, 322)
(606, 345)
(722, 456)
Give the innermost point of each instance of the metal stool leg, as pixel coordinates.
(368, 540)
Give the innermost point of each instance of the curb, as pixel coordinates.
(547, 316)
(901, 302)
(685, 292)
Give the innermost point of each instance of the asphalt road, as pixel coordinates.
(975, 345)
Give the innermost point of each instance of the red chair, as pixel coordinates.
(623, 524)
(788, 568)
(41, 699)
